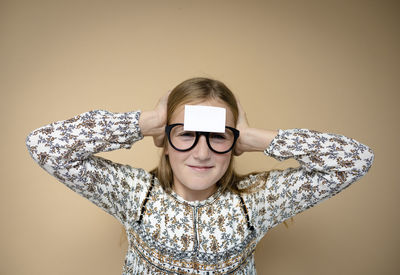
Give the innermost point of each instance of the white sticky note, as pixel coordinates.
(204, 118)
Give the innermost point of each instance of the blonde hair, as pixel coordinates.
(197, 90)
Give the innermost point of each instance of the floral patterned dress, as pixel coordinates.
(168, 235)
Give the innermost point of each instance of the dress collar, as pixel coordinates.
(196, 203)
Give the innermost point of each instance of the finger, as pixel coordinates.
(158, 140)
(237, 152)
(163, 100)
(242, 118)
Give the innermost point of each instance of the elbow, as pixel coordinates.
(368, 159)
(351, 171)
(32, 144)
(29, 143)
(363, 166)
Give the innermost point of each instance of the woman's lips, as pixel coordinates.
(200, 168)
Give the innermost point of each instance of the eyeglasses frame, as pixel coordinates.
(169, 127)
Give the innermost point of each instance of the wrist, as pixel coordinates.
(149, 123)
(254, 140)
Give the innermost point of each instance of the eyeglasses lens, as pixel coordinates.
(183, 140)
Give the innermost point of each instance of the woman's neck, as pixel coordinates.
(194, 195)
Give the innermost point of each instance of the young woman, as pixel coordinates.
(193, 214)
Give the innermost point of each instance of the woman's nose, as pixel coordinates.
(201, 150)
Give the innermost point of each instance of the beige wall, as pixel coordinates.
(326, 65)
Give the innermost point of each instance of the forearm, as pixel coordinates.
(63, 142)
(335, 157)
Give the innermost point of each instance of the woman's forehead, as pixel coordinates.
(179, 113)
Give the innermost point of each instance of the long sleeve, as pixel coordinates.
(66, 150)
(328, 164)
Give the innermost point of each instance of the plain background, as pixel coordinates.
(331, 66)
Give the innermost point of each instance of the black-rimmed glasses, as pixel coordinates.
(182, 140)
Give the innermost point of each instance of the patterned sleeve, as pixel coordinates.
(328, 164)
(66, 150)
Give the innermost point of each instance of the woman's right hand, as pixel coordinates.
(152, 123)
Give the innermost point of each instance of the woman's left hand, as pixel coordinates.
(251, 139)
(242, 124)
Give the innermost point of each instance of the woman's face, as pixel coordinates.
(196, 172)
